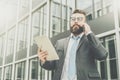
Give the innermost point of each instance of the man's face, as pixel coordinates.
(76, 24)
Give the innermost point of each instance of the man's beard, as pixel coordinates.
(76, 30)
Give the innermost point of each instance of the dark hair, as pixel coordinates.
(79, 11)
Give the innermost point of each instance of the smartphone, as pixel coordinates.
(82, 28)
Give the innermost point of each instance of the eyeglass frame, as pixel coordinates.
(76, 18)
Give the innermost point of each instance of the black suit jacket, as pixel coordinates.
(89, 50)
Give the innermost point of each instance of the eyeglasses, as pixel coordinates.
(77, 18)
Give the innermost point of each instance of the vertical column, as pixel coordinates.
(48, 30)
(61, 15)
(48, 17)
(28, 38)
(108, 62)
(16, 32)
(50, 20)
(116, 19)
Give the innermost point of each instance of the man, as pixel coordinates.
(77, 53)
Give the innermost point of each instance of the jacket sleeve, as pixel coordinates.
(48, 65)
(97, 48)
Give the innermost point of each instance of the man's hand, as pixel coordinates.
(42, 55)
(87, 29)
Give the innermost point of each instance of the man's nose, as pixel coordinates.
(76, 22)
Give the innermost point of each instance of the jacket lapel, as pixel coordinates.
(66, 45)
(67, 41)
(81, 41)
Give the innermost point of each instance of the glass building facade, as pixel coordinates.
(31, 18)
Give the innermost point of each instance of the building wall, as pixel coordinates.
(18, 51)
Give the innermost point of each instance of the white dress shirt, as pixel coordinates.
(65, 66)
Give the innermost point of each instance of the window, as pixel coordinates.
(113, 69)
(22, 39)
(85, 5)
(39, 25)
(103, 68)
(56, 19)
(89, 17)
(64, 18)
(36, 24)
(10, 45)
(56, 9)
(64, 22)
(20, 71)
(22, 34)
(111, 45)
(98, 8)
(36, 72)
(60, 12)
(34, 69)
(56, 26)
(8, 73)
(108, 68)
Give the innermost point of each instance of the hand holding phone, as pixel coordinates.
(86, 28)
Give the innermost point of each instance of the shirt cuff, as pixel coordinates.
(88, 33)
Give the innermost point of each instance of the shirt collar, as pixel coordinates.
(78, 36)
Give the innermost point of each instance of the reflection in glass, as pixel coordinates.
(89, 17)
(98, 8)
(108, 68)
(35, 24)
(20, 71)
(103, 68)
(10, 46)
(22, 34)
(113, 69)
(64, 18)
(7, 74)
(36, 72)
(111, 49)
(39, 19)
(56, 8)
(22, 39)
(60, 16)
(34, 69)
(103, 64)
(56, 26)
